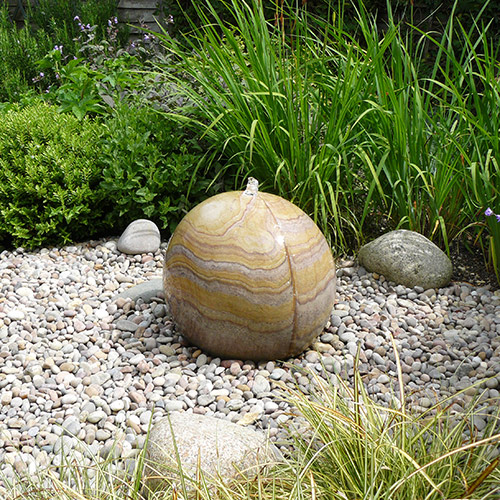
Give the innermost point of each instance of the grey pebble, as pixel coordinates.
(126, 325)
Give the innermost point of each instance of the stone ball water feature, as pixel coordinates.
(248, 275)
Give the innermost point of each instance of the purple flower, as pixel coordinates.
(115, 20)
(76, 18)
(146, 38)
(42, 74)
(498, 218)
(488, 212)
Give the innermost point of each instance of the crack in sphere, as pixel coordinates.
(248, 275)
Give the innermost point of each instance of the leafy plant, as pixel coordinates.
(84, 88)
(57, 19)
(79, 88)
(152, 168)
(104, 76)
(49, 177)
(20, 49)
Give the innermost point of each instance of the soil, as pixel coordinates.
(469, 267)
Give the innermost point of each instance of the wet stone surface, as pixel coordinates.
(86, 374)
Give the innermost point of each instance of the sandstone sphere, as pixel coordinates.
(248, 275)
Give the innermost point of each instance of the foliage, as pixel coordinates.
(268, 106)
(358, 449)
(104, 76)
(52, 24)
(78, 91)
(471, 88)
(359, 130)
(428, 15)
(57, 19)
(49, 176)
(20, 49)
(153, 168)
(415, 176)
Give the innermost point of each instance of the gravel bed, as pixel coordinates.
(87, 374)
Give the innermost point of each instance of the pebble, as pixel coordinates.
(15, 315)
(79, 361)
(261, 385)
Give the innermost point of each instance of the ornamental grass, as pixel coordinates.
(357, 128)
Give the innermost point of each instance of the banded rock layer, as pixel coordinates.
(248, 275)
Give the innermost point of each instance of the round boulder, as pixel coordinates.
(248, 275)
(140, 236)
(218, 447)
(408, 259)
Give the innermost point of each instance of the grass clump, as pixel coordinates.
(265, 105)
(356, 128)
(360, 450)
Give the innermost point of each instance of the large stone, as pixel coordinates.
(220, 447)
(140, 236)
(408, 259)
(248, 275)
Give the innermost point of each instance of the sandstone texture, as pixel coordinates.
(407, 258)
(218, 447)
(249, 275)
(140, 236)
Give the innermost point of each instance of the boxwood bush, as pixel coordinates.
(64, 179)
(49, 177)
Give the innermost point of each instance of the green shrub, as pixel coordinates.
(49, 177)
(151, 168)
